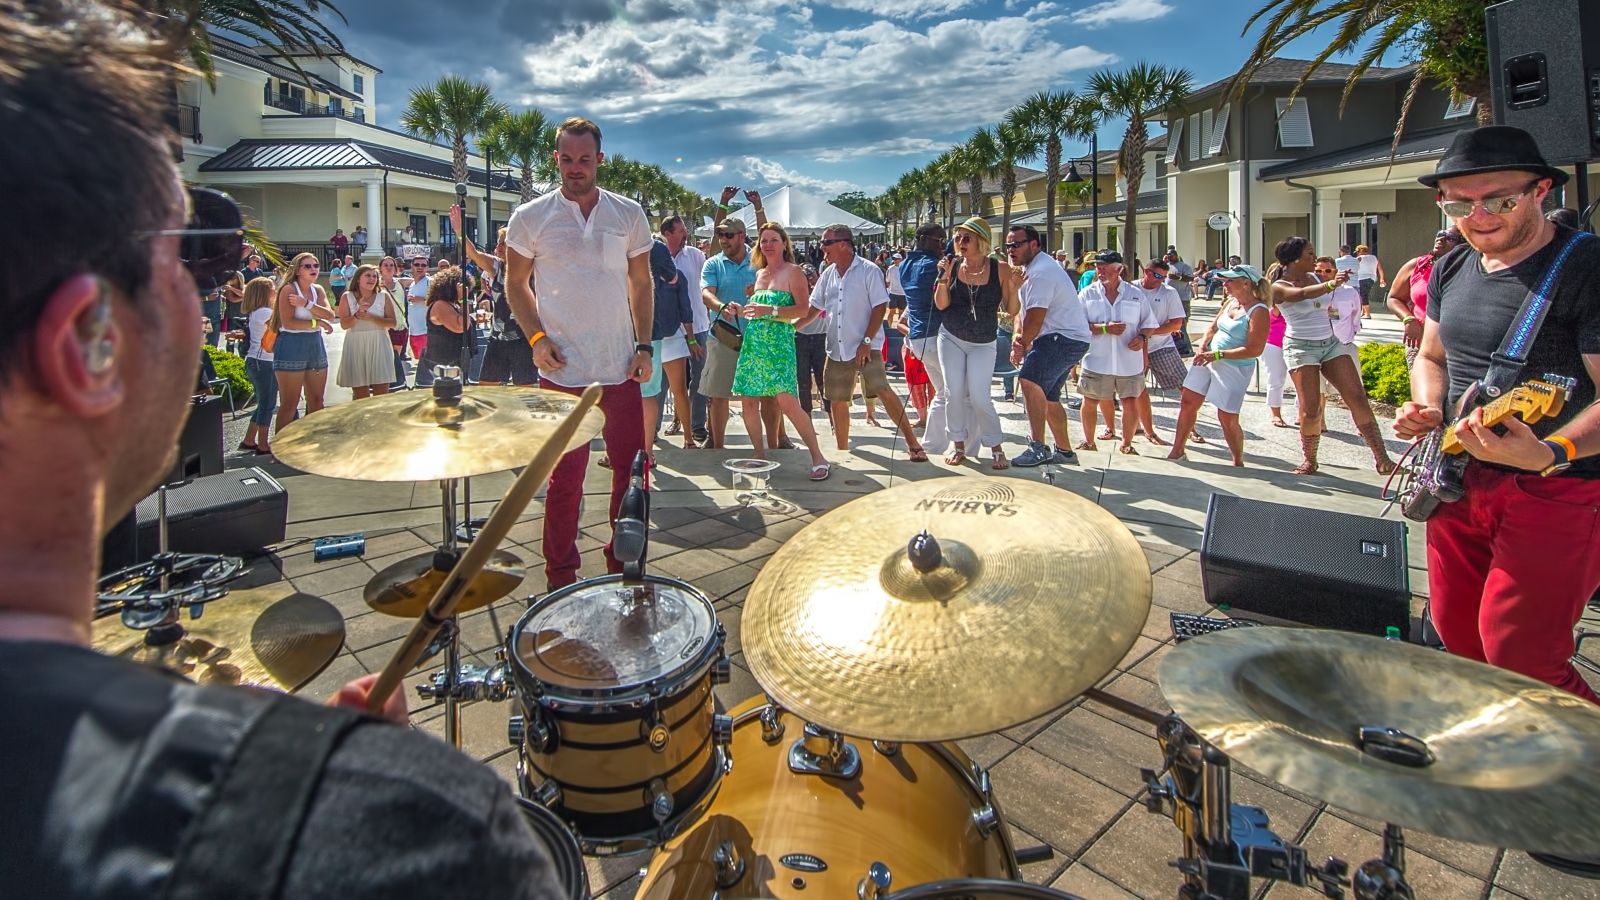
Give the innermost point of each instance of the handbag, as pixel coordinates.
(269, 338)
(730, 334)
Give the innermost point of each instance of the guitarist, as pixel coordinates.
(1511, 565)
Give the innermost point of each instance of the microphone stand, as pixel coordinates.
(469, 334)
(630, 533)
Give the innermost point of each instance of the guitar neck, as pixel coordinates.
(1529, 402)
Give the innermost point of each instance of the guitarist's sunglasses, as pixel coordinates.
(1494, 206)
(212, 240)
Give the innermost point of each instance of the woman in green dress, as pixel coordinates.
(781, 300)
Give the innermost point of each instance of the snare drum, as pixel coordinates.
(923, 810)
(562, 845)
(618, 734)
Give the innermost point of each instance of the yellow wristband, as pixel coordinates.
(534, 340)
(1566, 444)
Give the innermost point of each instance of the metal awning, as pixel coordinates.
(338, 154)
(1149, 202)
(1417, 148)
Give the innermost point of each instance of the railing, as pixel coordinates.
(189, 122)
(299, 106)
(325, 253)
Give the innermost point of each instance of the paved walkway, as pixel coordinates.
(1069, 779)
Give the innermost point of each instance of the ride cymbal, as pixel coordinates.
(1398, 732)
(404, 588)
(1025, 596)
(413, 436)
(271, 637)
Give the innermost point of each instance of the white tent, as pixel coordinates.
(802, 215)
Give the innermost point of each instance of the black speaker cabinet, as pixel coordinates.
(1305, 566)
(236, 513)
(1544, 73)
(200, 445)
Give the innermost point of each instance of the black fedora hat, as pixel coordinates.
(1493, 148)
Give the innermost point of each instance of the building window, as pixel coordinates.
(357, 83)
(1294, 123)
(1173, 138)
(1461, 108)
(335, 106)
(1219, 130)
(360, 114)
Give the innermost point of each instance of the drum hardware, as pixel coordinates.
(660, 800)
(930, 611)
(630, 533)
(822, 752)
(887, 748)
(772, 726)
(148, 599)
(729, 864)
(472, 683)
(751, 479)
(876, 883)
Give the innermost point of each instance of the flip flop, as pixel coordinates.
(917, 455)
(820, 472)
(1279, 423)
(955, 458)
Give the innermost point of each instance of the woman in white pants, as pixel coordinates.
(1277, 369)
(970, 290)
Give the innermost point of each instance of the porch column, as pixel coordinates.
(374, 207)
(1325, 222)
(485, 239)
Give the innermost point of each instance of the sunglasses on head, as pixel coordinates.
(212, 240)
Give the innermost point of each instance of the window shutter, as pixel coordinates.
(1294, 125)
(1194, 137)
(1173, 137)
(1219, 130)
(1460, 108)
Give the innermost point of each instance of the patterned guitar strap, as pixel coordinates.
(1506, 364)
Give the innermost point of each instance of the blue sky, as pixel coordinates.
(830, 96)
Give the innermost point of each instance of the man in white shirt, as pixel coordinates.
(1051, 337)
(1346, 261)
(1113, 369)
(854, 297)
(1166, 366)
(690, 261)
(417, 316)
(590, 321)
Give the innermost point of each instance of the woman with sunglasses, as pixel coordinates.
(1312, 351)
(299, 359)
(1225, 359)
(1408, 293)
(366, 313)
(970, 291)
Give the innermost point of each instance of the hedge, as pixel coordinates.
(231, 367)
(1384, 373)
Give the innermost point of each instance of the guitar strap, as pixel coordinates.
(1506, 364)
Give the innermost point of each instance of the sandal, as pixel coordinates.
(1087, 445)
(917, 455)
(955, 458)
(1385, 467)
(820, 472)
(1000, 462)
(1156, 439)
(1195, 437)
(603, 462)
(1306, 468)
(1181, 457)
(1127, 450)
(1280, 423)
(1107, 435)
(246, 445)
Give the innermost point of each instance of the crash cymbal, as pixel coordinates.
(410, 436)
(272, 637)
(1031, 595)
(1481, 754)
(404, 589)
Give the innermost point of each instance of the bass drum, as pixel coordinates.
(562, 845)
(978, 889)
(922, 810)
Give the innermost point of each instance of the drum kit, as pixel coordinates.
(897, 624)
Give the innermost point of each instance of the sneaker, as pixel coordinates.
(1075, 402)
(1065, 456)
(1036, 455)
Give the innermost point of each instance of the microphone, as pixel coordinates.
(630, 533)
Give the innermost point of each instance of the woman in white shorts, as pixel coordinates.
(1225, 359)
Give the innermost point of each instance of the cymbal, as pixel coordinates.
(1033, 595)
(404, 588)
(410, 436)
(271, 637)
(1484, 755)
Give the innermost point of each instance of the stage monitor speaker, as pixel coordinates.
(1305, 566)
(237, 513)
(200, 445)
(1544, 74)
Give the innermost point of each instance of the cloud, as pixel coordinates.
(902, 9)
(767, 174)
(900, 146)
(1116, 12)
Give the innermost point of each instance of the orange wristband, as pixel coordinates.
(536, 338)
(1566, 444)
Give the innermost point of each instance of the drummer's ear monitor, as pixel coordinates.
(94, 334)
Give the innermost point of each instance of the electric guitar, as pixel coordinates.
(1439, 461)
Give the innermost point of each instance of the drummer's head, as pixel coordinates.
(101, 340)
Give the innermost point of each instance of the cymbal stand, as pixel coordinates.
(445, 685)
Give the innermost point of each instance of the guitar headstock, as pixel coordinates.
(1533, 400)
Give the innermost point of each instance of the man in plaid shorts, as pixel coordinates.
(1165, 364)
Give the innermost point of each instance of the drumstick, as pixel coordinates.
(443, 604)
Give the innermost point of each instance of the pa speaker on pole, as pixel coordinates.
(1544, 74)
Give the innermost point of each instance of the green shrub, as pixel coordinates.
(232, 368)
(1384, 373)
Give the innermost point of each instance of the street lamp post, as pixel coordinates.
(1075, 177)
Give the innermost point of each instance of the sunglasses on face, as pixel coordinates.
(829, 242)
(962, 238)
(1494, 206)
(1012, 245)
(312, 266)
(726, 235)
(213, 238)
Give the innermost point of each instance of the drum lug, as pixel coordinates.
(729, 864)
(771, 723)
(887, 748)
(543, 738)
(654, 731)
(660, 800)
(516, 730)
(986, 819)
(876, 883)
(823, 752)
(722, 670)
(722, 730)
(548, 794)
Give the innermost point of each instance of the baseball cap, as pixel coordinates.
(731, 224)
(1241, 271)
(1108, 256)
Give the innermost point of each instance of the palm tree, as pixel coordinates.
(1051, 117)
(1446, 38)
(451, 109)
(183, 27)
(945, 172)
(1135, 93)
(527, 140)
(1013, 144)
(980, 159)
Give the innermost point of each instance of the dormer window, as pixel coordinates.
(358, 83)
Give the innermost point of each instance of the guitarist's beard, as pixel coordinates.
(1516, 230)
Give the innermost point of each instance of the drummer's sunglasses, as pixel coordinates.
(213, 239)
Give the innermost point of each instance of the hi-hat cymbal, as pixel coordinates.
(404, 588)
(410, 436)
(1477, 753)
(1032, 595)
(272, 637)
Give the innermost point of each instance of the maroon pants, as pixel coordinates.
(1510, 567)
(624, 434)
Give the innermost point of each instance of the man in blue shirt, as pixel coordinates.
(917, 275)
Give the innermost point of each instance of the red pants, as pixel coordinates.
(1510, 567)
(624, 434)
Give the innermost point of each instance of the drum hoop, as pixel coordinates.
(646, 841)
(620, 697)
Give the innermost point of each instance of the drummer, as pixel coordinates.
(122, 777)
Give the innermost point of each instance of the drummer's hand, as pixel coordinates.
(354, 696)
(547, 356)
